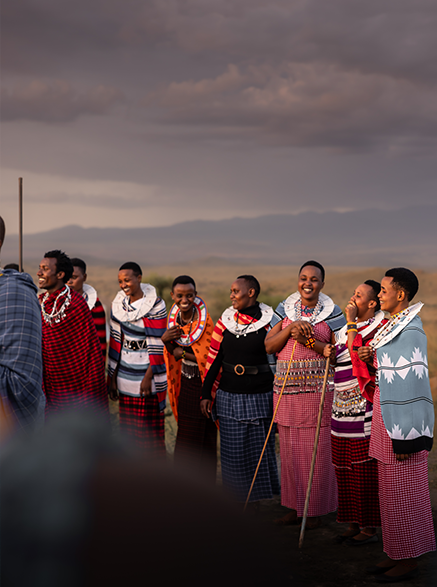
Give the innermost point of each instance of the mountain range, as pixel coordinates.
(359, 238)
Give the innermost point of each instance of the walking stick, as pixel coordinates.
(313, 461)
(271, 426)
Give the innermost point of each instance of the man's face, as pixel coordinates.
(77, 280)
(48, 277)
(390, 297)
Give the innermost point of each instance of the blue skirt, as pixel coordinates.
(244, 423)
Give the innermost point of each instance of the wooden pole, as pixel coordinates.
(271, 426)
(313, 461)
(20, 223)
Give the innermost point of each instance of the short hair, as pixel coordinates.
(183, 280)
(133, 266)
(12, 266)
(79, 263)
(252, 282)
(376, 288)
(404, 279)
(314, 264)
(2, 230)
(63, 263)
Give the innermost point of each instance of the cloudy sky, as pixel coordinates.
(150, 112)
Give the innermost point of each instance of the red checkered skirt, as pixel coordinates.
(357, 481)
(142, 422)
(296, 446)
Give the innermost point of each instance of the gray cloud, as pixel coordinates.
(56, 101)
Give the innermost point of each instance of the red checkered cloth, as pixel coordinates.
(73, 366)
(296, 446)
(406, 515)
(142, 422)
(357, 481)
(98, 314)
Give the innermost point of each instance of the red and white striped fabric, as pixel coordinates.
(406, 515)
(296, 445)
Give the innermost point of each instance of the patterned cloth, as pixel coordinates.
(200, 348)
(406, 514)
(357, 481)
(74, 370)
(142, 422)
(297, 422)
(22, 398)
(356, 472)
(133, 363)
(244, 423)
(406, 401)
(98, 314)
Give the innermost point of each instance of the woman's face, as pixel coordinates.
(310, 284)
(183, 295)
(242, 295)
(363, 299)
(130, 284)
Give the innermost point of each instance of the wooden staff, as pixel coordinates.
(20, 223)
(271, 426)
(313, 462)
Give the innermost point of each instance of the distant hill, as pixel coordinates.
(368, 238)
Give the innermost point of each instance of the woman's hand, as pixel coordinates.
(205, 408)
(171, 334)
(146, 383)
(402, 457)
(351, 311)
(113, 393)
(329, 352)
(365, 353)
(301, 328)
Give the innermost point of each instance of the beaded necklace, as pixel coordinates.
(186, 337)
(56, 316)
(392, 322)
(242, 331)
(315, 311)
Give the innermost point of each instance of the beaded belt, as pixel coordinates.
(189, 369)
(349, 401)
(246, 369)
(303, 376)
(135, 345)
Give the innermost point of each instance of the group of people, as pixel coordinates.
(254, 365)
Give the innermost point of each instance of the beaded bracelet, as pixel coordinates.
(310, 342)
(183, 355)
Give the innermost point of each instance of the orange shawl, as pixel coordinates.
(200, 349)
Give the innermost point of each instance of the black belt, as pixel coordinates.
(246, 369)
(135, 345)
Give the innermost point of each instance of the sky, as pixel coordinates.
(152, 112)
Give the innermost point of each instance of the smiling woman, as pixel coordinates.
(238, 366)
(307, 320)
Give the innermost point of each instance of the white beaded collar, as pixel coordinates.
(341, 336)
(89, 295)
(126, 312)
(228, 319)
(327, 309)
(391, 330)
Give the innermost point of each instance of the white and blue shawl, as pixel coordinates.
(405, 393)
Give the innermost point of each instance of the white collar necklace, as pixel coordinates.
(325, 309)
(124, 311)
(229, 320)
(56, 316)
(395, 325)
(89, 295)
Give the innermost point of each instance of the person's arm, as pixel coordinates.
(169, 337)
(208, 383)
(146, 383)
(277, 337)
